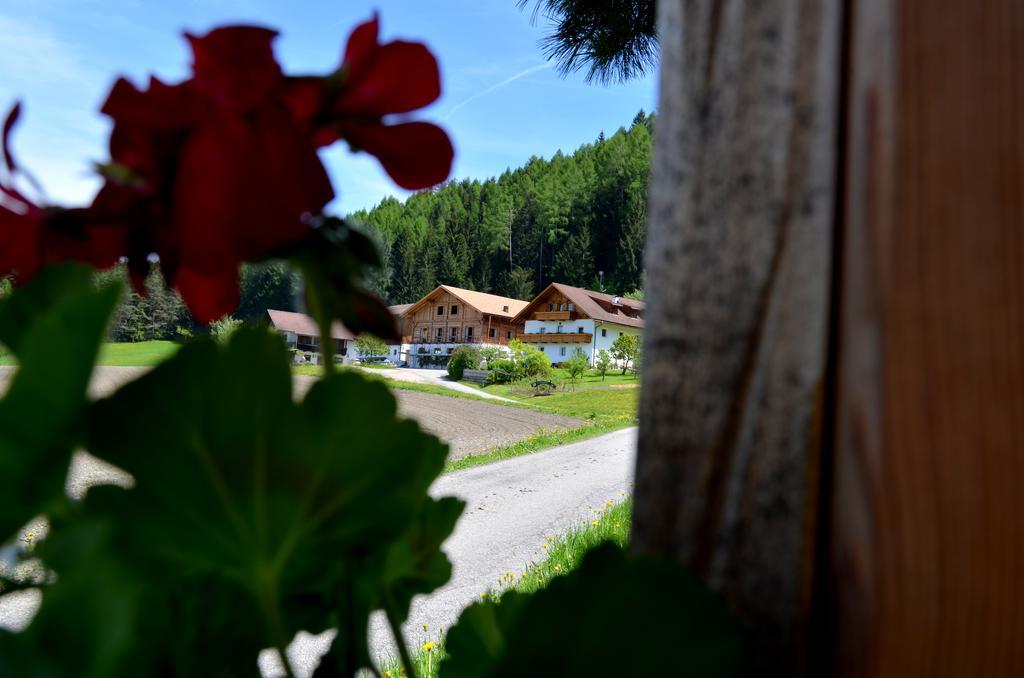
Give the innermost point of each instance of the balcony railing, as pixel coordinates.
(553, 315)
(458, 340)
(557, 338)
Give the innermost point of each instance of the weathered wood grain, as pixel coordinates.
(738, 263)
(928, 532)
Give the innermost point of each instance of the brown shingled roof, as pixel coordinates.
(300, 323)
(481, 301)
(594, 305)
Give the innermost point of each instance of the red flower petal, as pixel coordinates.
(415, 154)
(209, 295)
(361, 43)
(20, 249)
(235, 65)
(394, 78)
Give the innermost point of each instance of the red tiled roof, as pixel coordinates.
(481, 301)
(300, 323)
(594, 305)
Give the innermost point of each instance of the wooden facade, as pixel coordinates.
(444, 318)
(553, 305)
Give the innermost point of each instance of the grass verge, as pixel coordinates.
(541, 440)
(125, 354)
(610, 522)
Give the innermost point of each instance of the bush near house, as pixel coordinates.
(370, 347)
(463, 358)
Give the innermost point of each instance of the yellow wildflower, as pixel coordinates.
(428, 646)
(425, 627)
(595, 523)
(483, 595)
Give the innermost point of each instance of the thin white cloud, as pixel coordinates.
(498, 85)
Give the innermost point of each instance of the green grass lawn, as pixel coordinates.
(610, 522)
(125, 354)
(136, 354)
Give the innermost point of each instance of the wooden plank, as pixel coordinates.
(928, 531)
(738, 262)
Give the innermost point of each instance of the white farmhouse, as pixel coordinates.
(563, 318)
(302, 334)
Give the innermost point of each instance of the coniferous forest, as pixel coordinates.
(565, 219)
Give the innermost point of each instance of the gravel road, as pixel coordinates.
(512, 507)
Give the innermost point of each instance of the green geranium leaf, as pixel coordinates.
(412, 565)
(615, 616)
(54, 325)
(253, 516)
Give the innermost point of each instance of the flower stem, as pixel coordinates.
(396, 631)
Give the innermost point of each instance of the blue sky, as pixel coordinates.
(502, 101)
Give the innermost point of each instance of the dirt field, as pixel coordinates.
(468, 426)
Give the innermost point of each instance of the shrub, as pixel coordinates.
(222, 329)
(463, 358)
(603, 363)
(530, 360)
(577, 365)
(503, 371)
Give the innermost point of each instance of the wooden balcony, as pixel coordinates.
(557, 338)
(552, 315)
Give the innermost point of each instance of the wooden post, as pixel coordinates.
(739, 257)
(927, 568)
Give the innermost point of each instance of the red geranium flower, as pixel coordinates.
(31, 236)
(374, 81)
(215, 170)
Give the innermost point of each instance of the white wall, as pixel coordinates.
(604, 335)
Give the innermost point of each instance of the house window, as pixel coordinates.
(504, 309)
(469, 333)
(510, 334)
(562, 352)
(604, 333)
(493, 333)
(440, 333)
(561, 307)
(440, 310)
(572, 307)
(424, 333)
(455, 309)
(454, 333)
(579, 330)
(316, 341)
(551, 307)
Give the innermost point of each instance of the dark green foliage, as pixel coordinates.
(156, 315)
(54, 327)
(264, 286)
(616, 615)
(562, 219)
(251, 516)
(614, 40)
(463, 358)
(249, 506)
